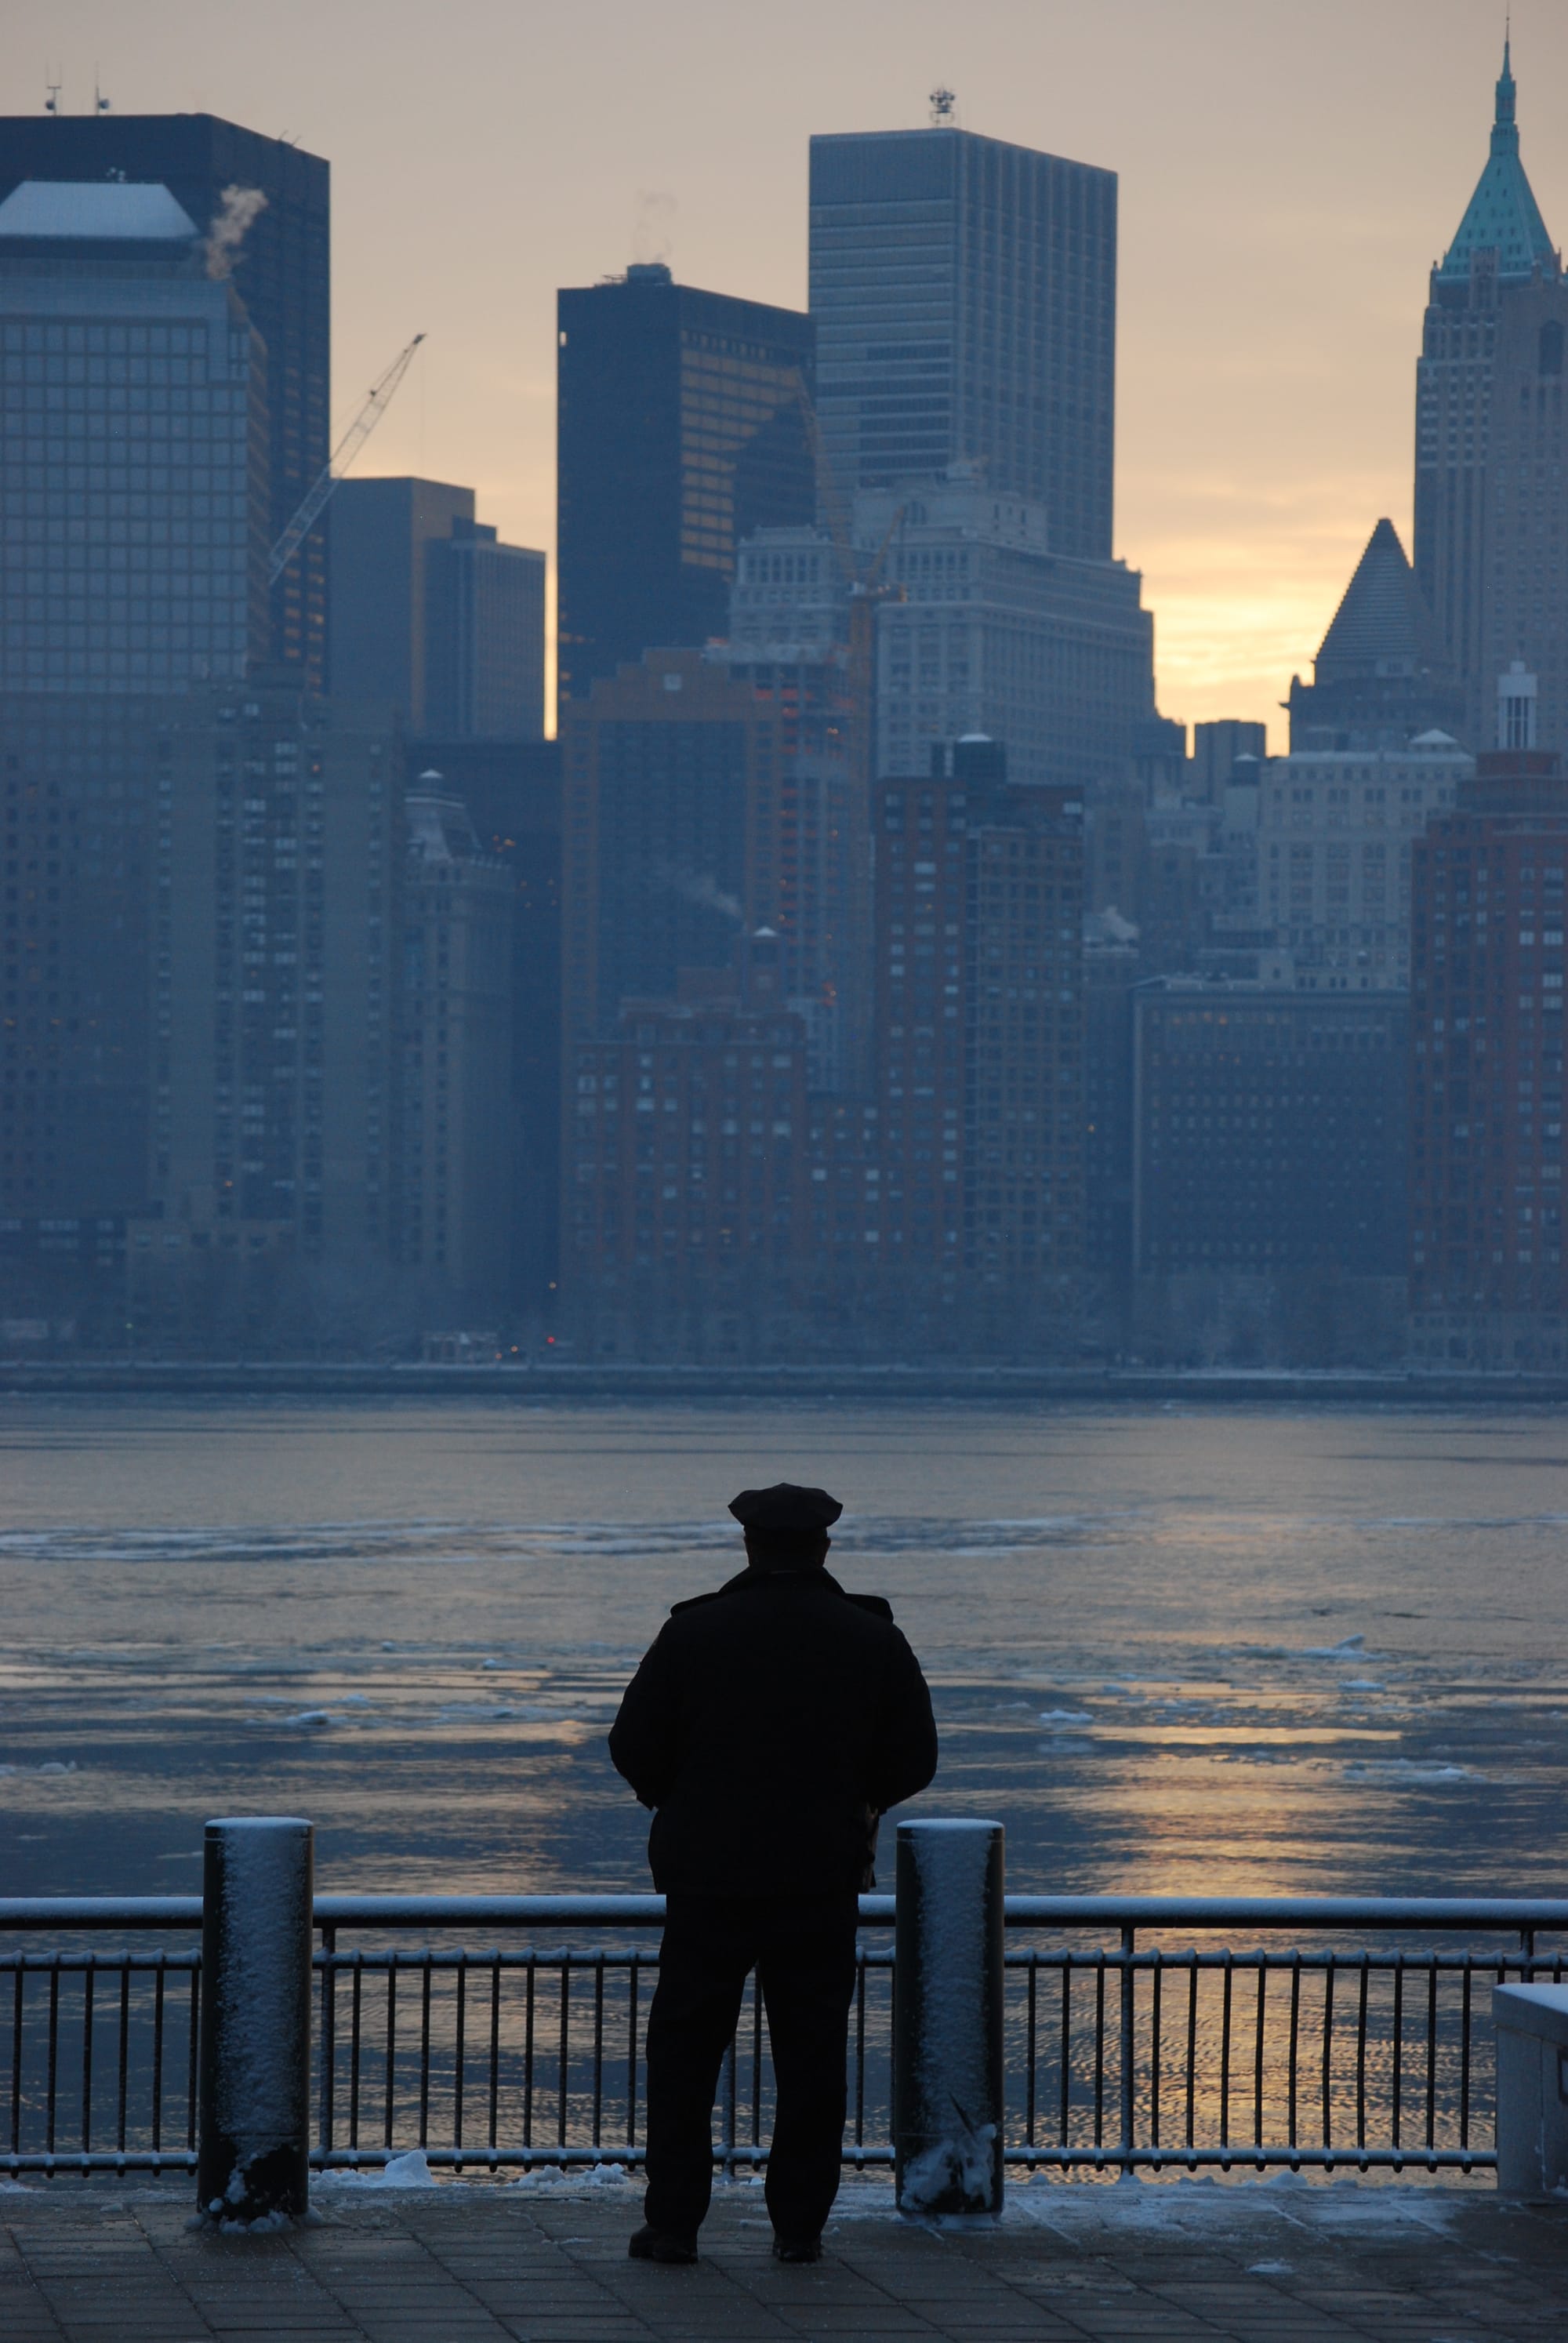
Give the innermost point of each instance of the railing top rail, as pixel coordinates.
(66, 1914)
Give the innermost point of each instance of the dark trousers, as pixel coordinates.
(803, 1949)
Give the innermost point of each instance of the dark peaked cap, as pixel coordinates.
(786, 1508)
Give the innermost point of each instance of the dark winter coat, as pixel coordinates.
(769, 1726)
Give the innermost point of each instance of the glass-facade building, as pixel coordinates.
(132, 468)
(964, 296)
(680, 432)
(280, 269)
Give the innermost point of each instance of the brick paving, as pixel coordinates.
(547, 2264)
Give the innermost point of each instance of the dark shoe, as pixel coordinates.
(797, 2249)
(660, 2246)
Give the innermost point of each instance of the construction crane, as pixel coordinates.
(343, 455)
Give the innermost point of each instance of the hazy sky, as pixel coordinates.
(1289, 170)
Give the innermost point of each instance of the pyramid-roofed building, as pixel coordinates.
(1378, 678)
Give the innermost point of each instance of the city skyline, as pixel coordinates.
(1265, 382)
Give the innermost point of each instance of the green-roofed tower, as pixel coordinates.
(1492, 444)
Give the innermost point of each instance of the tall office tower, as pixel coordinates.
(679, 431)
(1486, 1273)
(980, 1033)
(132, 468)
(669, 780)
(277, 877)
(275, 255)
(1492, 444)
(1379, 677)
(430, 615)
(964, 296)
(456, 1182)
(1336, 832)
(1269, 1130)
(983, 629)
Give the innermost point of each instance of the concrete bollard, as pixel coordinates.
(1532, 2022)
(254, 2147)
(947, 2021)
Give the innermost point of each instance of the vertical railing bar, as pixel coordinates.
(730, 2087)
(1258, 2049)
(460, 2051)
(89, 1982)
(353, 2048)
(158, 2052)
(528, 2052)
(1128, 2077)
(1225, 2052)
(1431, 2052)
(632, 2051)
(495, 2041)
(18, 1992)
(124, 2077)
(597, 2049)
(1329, 1974)
(389, 2112)
(328, 2036)
(1398, 2041)
(425, 2050)
(1362, 2054)
(860, 2056)
(1192, 2041)
(1464, 2057)
(1030, 2059)
(1154, 2050)
(1066, 2045)
(565, 2049)
(1295, 2037)
(1100, 2049)
(192, 2052)
(54, 2047)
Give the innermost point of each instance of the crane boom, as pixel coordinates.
(343, 455)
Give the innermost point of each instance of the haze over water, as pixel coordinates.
(1173, 1649)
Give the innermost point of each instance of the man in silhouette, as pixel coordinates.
(769, 1725)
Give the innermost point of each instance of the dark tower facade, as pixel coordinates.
(1492, 443)
(964, 296)
(680, 432)
(280, 269)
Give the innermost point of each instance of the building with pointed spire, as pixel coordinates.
(1492, 444)
(1379, 677)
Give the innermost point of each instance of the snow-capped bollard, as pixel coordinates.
(947, 2026)
(254, 2150)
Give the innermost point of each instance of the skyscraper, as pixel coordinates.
(964, 296)
(680, 432)
(133, 467)
(276, 256)
(431, 615)
(1492, 444)
(1379, 677)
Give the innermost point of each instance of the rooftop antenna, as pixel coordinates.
(100, 103)
(52, 103)
(944, 108)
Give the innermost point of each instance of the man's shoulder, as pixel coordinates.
(877, 1604)
(696, 1602)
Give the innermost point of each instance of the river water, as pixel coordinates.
(1180, 1648)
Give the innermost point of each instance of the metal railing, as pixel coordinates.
(1369, 2045)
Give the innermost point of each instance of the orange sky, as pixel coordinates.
(1289, 172)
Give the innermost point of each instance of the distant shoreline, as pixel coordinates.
(1227, 1386)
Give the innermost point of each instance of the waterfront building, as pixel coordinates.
(457, 1188)
(133, 472)
(431, 615)
(1486, 1273)
(679, 431)
(670, 779)
(1492, 444)
(262, 209)
(1335, 833)
(1269, 1130)
(963, 292)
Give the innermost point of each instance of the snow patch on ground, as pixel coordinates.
(409, 2170)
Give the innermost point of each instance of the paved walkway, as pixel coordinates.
(543, 2263)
